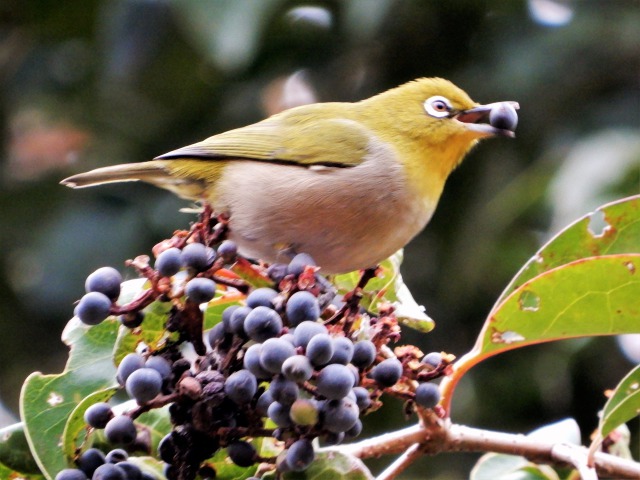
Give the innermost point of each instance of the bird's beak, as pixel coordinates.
(474, 117)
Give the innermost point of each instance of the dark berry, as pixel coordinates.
(277, 272)
(226, 317)
(198, 257)
(129, 364)
(432, 359)
(98, 414)
(169, 262)
(363, 399)
(216, 334)
(297, 368)
(90, 460)
(319, 349)
(364, 353)
(300, 455)
(105, 280)
(427, 395)
(93, 308)
(132, 319)
(167, 449)
(228, 250)
(342, 350)
(262, 405)
(237, 319)
(242, 453)
(241, 386)
(160, 365)
(120, 430)
(279, 414)
(274, 352)
(339, 415)
(334, 381)
(109, 471)
(131, 471)
(200, 290)
(144, 384)
(116, 455)
(305, 331)
(261, 297)
(388, 372)
(71, 474)
(262, 323)
(251, 362)
(284, 391)
(299, 262)
(302, 306)
(355, 430)
(331, 438)
(504, 117)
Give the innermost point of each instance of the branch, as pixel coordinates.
(401, 463)
(439, 436)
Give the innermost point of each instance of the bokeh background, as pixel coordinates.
(86, 83)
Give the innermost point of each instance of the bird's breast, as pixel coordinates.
(345, 218)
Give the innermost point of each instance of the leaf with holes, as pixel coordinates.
(586, 238)
(46, 401)
(588, 297)
(622, 406)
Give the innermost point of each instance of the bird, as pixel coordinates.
(347, 183)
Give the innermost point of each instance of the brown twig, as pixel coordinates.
(440, 436)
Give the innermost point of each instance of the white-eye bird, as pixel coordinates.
(347, 183)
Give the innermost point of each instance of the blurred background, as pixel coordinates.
(87, 83)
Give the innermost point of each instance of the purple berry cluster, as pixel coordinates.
(290, 359)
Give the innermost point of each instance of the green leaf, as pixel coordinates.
(588, 297)
(152, 331)
(227, 470)
(623, 404)
(213, 313)
(15, 454)
(46, 401)
(75, 429)
(332, 465)
(498, 466)
(157, 422)
(9, 474)
(388, 287)
(578, 240)
(148, 465)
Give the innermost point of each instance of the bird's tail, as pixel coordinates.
(152, 172)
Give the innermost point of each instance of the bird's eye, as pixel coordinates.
(438, 106)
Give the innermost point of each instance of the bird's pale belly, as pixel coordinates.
(345, 218)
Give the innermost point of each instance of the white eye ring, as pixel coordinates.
(438, 106)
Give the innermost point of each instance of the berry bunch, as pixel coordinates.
(289, 360)
(95, 464)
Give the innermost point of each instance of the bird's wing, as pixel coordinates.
(301, 139)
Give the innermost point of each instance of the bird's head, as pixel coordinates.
(432, 123)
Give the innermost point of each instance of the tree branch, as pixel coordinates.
(440, 436)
